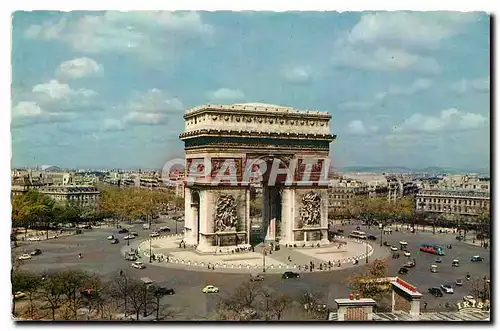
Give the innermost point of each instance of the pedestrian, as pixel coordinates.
(425, 305)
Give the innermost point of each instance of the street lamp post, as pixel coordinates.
(150, 251)
(381, 227)
(366, 252)
(128, 239)
(264, 259)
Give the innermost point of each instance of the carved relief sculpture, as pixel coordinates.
(226, 215)
(310, 212)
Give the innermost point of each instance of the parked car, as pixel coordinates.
(154, 234)
(129, 236)
(24, 257)
(122, 230)
(138, 265)
(130, 256)
(434, 268)
(159, 291)
(111, 237)
(89, 293)
(394, 248)
(33, 239)
(403, 271)
(435, 291)
(210, 289)
(476, 258)
(135, 234)
(19, 295)
(371, 237)
(87, 227)
(290, 274)
(407, 253)
(256, 278)
(403, 243)
(459, 282)
(447, 289)
(115, 241)
(387, 244)
(455, 263)
(468, 298)
(438, 260)
(395, 256)
(410, 264)
(35, 252)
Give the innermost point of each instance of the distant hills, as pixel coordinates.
(429, 170)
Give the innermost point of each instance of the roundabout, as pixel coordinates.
(168, 251)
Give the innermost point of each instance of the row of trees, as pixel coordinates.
(35, 210)
(252, 302)
(61, 295)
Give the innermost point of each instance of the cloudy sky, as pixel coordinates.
(108, 89)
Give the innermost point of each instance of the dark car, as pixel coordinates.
(36, 252)
(89, 293)
(395, 256)
(159, 291)
(340, 230)
(387, 244)
(435, 291)
(115, 241)
(371, 237)
(256, 278)
(290, 274)
(123, 231)
(403, 271)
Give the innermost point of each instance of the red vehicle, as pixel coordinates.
(432, 249)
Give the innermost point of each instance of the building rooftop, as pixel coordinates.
(460, 316)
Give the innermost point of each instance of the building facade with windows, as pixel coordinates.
(453, 203)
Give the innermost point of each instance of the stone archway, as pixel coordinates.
(229, 148)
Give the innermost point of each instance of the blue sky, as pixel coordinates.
(108, 89)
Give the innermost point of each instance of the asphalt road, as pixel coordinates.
(101, 257)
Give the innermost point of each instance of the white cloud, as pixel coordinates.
(408, 29)
(145, 118)
(78, 68)
(393, 40)
(448, 120)
(357, 127)
(298, 75)
(27, 109)
(418, 85)
(58, 91)
(147, 33)
(151, 107)
(226, 95)
(466, 85)
(382, 59)
(111, 124)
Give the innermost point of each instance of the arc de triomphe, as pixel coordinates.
(229, 148)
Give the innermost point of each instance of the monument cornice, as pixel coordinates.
(255, 134)
(260, 110)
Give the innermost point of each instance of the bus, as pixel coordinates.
(358, 235)
(433, 249)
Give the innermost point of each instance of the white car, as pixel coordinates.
(135, 234)
(403, 242)
(468, 298)
(447, 289)
(111, 237)
(154, 234)
(129, 236)
(24, 257)
(138, 265)
(210, 289)
(394, 248)
(33, 239)
(407, 254)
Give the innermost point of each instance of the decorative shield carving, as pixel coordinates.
(226, 215)
(310, 212)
